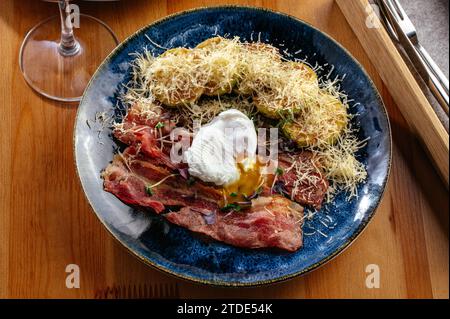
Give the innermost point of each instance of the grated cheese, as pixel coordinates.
(267, 88)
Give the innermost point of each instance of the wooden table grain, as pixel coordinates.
(46, 222)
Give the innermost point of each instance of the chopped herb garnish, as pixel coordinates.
(190, 181)
(233, 194)
(279, 171)
(279, 187)
(149, 190)
(254, 195)
(230, 207)
(159, 125)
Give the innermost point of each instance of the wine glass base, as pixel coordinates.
(62, 77)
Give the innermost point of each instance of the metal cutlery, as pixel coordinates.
(403, 30)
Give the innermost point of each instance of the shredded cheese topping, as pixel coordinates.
(256, 79)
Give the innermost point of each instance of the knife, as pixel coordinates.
(402, 30)
(399, 82)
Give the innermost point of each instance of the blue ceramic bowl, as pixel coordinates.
(179, 252)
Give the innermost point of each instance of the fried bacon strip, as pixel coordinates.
(270, 222)
(132, 179)
(143, 175)
(309, 191)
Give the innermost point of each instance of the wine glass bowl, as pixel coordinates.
(58, 61)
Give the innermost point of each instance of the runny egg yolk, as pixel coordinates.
(250, 181)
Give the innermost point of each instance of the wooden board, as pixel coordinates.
(46, 223)
(400, 82)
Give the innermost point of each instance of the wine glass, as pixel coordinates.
(59, 55)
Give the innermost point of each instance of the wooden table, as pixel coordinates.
(46, 223)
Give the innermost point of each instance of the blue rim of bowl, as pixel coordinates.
(304, 271)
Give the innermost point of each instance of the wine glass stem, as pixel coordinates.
(68, 46)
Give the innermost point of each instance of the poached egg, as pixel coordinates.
(223, 152)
